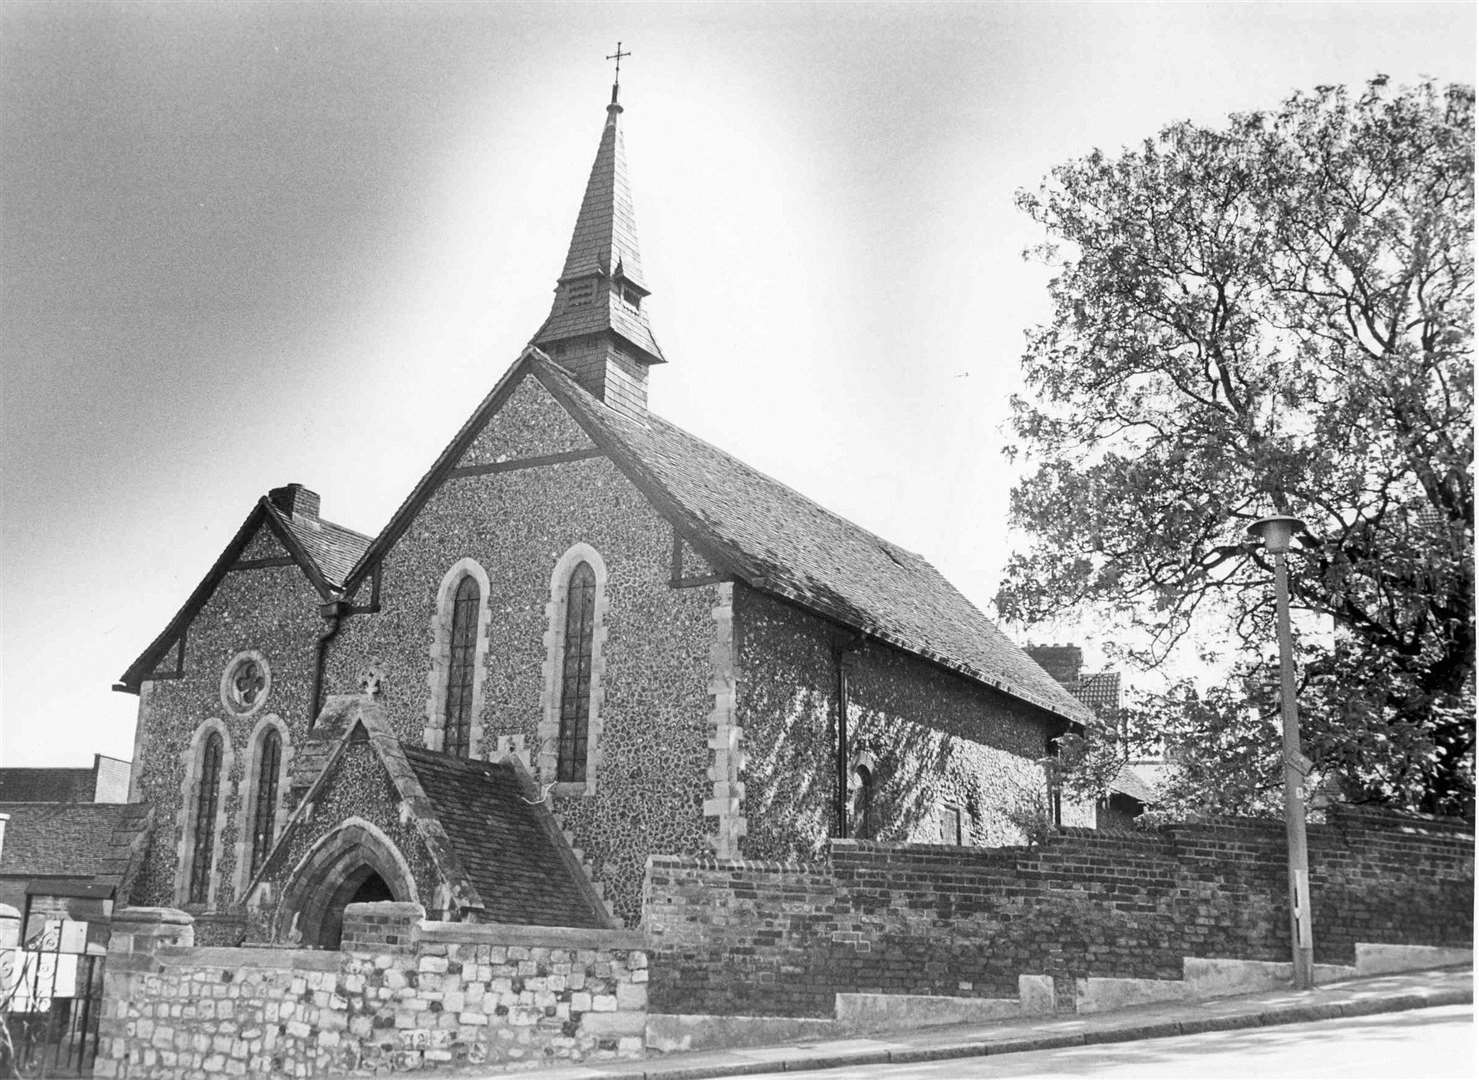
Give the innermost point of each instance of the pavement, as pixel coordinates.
(1354, 997)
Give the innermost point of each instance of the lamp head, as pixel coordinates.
(1275, 532)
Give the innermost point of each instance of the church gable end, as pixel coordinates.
(264, 545)
(354, 823)
(391, 821)
(537, 490)
(283, 530)
(528, 427)
(239, 653)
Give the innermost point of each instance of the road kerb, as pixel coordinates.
(1158, 1029)
(1028, 1043)
(837, 1061)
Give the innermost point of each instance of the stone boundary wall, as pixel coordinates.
(403, 993)
(736, 938)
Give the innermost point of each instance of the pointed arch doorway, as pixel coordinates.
(356, 863)
(363, 886)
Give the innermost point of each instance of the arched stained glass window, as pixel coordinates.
(457, 713)
(575, 685)
(205, 819)
(264, 817)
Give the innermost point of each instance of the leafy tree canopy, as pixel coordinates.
(1276, 316)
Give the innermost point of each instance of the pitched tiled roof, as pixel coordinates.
(334, 549)
(498, 853)
(510, 854)
(784, 543)
(606, 228)
(346, 720)
(77, 841)
(1100, 692)
(46, 785)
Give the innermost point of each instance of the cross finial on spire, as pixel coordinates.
(616, 83)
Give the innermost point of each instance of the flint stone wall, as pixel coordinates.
(402, 994)
(778, 939)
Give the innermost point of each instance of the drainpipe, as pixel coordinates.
(843, 653)
(332, 613)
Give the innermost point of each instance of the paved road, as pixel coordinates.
(1423, 1044)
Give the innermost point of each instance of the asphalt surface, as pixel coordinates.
(1352, 998)
(1433, 1044)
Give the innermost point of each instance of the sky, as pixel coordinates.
(243, 244)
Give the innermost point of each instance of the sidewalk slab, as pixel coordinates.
(1353, 997)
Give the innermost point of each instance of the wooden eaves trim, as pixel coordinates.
(871, 631)
(264, 511)
(296, 549)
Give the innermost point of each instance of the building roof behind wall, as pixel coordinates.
(46, 785)
(1100, 692)
(76, 842)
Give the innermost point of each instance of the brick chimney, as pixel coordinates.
(296, 501)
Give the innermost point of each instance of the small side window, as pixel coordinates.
(864, 817)
(952, 824)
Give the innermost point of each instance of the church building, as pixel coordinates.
(586, 637)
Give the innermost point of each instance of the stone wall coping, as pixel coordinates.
(1337, 816)
(1399, 819)
(713, 862)
(1341, 819)
(955, 851)
(558, 937)
(151, 916)
(228, 958)
(385, 909)
(1158, 842)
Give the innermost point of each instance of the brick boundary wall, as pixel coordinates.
(403, 993)
(775, 939)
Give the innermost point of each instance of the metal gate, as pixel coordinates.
(51, 992)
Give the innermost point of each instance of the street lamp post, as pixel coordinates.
(1276, 532)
